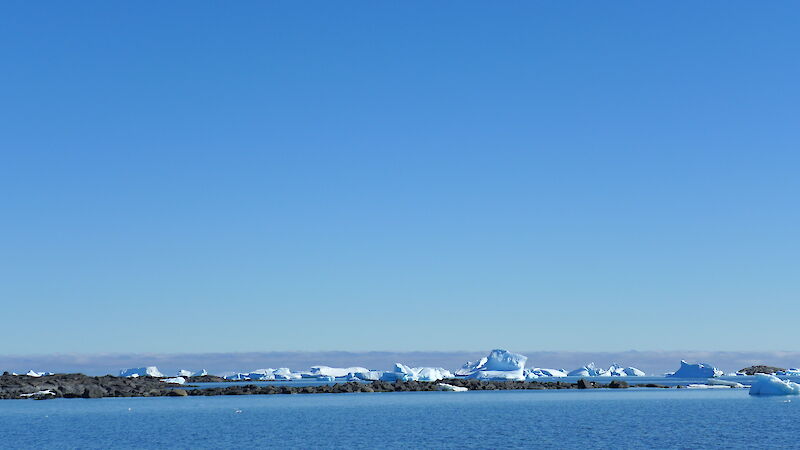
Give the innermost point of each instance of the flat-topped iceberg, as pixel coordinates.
(700, 370)
(184, 373)
(150, 371)
(772, 385)
(401, 372)
(499, 365)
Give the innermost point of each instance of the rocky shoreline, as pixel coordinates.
(83, 386)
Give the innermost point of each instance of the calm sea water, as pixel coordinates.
(633, 418)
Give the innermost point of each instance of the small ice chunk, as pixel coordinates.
(718, 382)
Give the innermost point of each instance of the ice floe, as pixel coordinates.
(718, 382)
(38, 393)
(151, 371)
(772, 385)
(451, 388)
(700, 370)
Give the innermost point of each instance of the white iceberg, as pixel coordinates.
(336, 372)
(372, 375)
(451, 388)
(701, 370)
(618, 371)
(401, 372)
(201, 373)
(499, 365)
(538, 372)
(237, 377)
(184, 373)
(589, 370)
(35, 374)
(176, 380)
(151, 371)
(283, 374)
(772, 385)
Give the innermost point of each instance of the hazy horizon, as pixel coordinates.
(652, 362)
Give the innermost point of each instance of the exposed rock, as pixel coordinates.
(82, 386)
(752, 370)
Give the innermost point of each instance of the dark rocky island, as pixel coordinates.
(752, 370)
(83, 386)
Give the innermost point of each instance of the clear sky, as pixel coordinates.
(256, 176)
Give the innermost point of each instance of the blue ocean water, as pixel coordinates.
(602, 418)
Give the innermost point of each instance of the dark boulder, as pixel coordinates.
(93, 392)
(583, 384)
(618, 384)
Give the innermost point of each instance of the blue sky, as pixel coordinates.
(275, 176)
